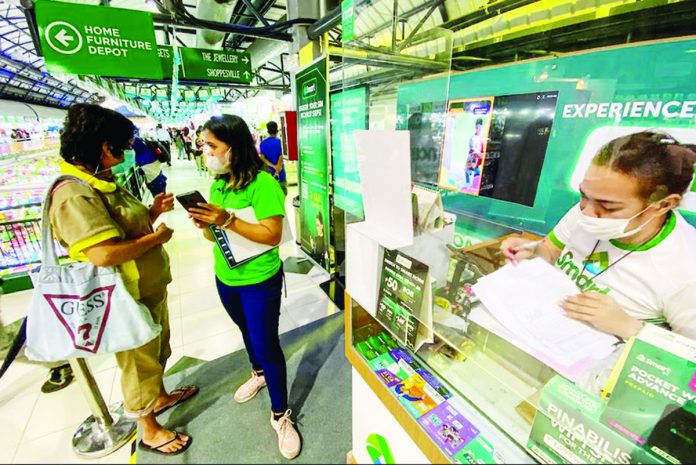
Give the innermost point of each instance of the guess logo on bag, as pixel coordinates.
(83, 317)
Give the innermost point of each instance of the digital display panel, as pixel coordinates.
(495, 146)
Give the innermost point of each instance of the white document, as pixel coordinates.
(244, 249)
(364, 259)
(384, 161)
(525, 299)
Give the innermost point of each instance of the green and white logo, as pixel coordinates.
(597, 262)
(583, 281)
(63, 37)
(309, 88)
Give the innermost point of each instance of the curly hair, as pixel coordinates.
(234, 131)
(87, 128)
(662, 165)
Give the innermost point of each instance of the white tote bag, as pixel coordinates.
(79, 309)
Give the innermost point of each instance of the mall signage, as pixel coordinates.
(198, 64)
(97, 40)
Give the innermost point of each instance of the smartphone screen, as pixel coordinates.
(190, 200)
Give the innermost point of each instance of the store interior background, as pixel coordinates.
(421, 44)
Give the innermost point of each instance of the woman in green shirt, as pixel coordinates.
(251, 292)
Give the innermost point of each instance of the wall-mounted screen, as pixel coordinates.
(495, 146)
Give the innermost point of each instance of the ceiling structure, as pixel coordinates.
(420, 37)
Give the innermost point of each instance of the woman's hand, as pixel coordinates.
(197, 223)
(162, 203)
(514, 249)
(602, 312)
(163, 234)
(209, 214)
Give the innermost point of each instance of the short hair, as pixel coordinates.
(87, 128)
(272, 127)
(479, 121)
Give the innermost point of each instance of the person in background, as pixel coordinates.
(146, 158)
(179, 144)
(162, 136)
(629, 251)
(107, 226)
(198, 155)
(271, 152)
(251, 292)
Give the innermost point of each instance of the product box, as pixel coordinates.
(417, 396)
(388, 370)
(448, 428)
(567, 429)
(404, 358)
(652, 402)
(479, 450)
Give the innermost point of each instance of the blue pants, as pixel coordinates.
(255, 309)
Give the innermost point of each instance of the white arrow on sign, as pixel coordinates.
(68, 39)
(64, 38)
(246, 74)
(245, 60)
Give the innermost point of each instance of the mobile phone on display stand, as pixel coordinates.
(191, 199)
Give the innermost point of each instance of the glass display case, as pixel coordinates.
(477, 394)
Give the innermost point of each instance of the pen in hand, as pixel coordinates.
(511, 251)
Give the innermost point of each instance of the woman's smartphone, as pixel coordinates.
(190, 200)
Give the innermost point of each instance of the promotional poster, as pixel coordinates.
(652, 403)
(567, 429)
(348, 113)
(312, 130)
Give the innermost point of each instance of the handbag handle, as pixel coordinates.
(50, 257)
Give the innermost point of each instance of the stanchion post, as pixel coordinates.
(91, 391)
(107, 429)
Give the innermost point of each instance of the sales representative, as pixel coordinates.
(628, 250)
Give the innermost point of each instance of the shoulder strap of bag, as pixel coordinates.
(47, 245)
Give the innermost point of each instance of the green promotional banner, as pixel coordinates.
(512, 143)
(312, 129)
(347, 20)
(97, 40)
(348, 113)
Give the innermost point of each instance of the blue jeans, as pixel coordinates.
(255, 309)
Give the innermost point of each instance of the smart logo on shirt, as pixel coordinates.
(597, 262)
(582, 280)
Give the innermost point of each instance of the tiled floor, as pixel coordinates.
(38, 428)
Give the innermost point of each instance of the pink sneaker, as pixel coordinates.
(248, 390)
(289, 441)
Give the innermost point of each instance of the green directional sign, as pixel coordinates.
(215, 65)
(199, 64)
(97, 40)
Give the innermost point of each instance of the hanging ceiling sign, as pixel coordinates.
(198, 64)
(97, 40)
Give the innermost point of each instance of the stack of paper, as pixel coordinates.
(525, 299)
(244, 249)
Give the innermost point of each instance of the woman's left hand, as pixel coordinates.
(602, 312)
(162, 203)
(210, 214)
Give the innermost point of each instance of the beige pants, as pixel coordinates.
(143, 368)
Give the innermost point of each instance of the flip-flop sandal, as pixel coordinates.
(181, 399)
(156, 449)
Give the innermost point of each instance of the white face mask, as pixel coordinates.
(214, 164)
(609, 228)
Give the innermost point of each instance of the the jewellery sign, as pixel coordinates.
(97, 40)
(199, 64)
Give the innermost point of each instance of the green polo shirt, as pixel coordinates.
(266, 197)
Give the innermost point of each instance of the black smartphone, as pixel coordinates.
(190, 200)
